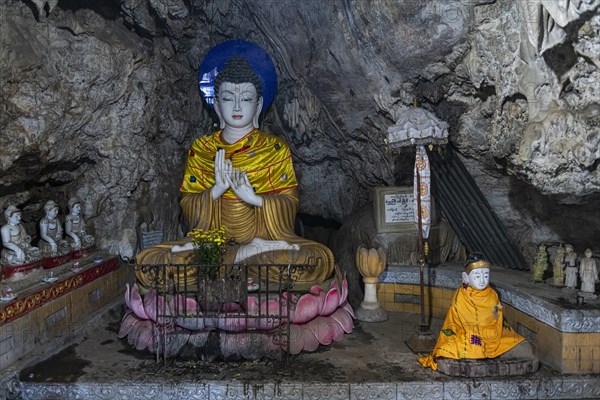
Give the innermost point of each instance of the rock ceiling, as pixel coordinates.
(100, 99)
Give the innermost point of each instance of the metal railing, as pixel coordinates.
(249, 299)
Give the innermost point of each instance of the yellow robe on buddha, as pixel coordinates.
(268, 164)
(474, 328)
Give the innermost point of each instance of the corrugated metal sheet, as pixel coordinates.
(468, 211)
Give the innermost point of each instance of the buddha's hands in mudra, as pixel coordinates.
(223, 168)
(239, 182)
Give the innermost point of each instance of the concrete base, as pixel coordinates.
(43, 312)
(371, 363)
(518, 361)
(369, 315)
(563, 329)
(489, 367)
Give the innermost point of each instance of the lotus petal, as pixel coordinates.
(231, 343)
(135, 302)
(258, 344)
(331, 302)
(191, 306)
(344, 319)
(334, 282)
(150, 305)
(338, 332)
(291, 300)
(344, 294)
(145, 338)
(252, 305)
(337, 281)
(210, 323)
(320, 294)
(302, 339)
(175, 341)
(181, 305)
(271, 310)
(283, 311)
(127, 323)
(311, 343)
(346, 306)
(193, 323)
(141, 336)
(230, 307)
(231, 324)
(316, 290)
(151, 302)
(252, 311)
(307, 308)
(266, 324)
(323, 329)
(287, 296)
(297, 338)
(272, 307)
(133, 335)
(198, 339)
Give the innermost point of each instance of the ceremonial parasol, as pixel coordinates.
(418, 127)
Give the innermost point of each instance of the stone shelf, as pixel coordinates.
(563, 334)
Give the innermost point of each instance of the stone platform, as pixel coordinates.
(46, 309)
(564, 335)
(480, 368)
(371, 363)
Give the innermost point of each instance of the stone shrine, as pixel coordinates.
(102, 102)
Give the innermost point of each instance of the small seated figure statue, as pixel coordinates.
(474, 327)
(52, 243)
(570, 267)
(588, 272)
(242, 179)
(75, 226)
(17, 248)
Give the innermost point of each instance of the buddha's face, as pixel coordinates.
(76, 209)
(479, 278)
(238, 104)
(15, 218)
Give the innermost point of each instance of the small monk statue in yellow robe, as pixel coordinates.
(474, 326)
(242, 179)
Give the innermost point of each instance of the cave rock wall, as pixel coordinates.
(100, 99)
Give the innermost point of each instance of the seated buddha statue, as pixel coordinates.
(17, 248)
(75, 226)
(52, 243)
(242, 178)
(474, 327)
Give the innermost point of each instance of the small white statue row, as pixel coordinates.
(565, 268)
(17, 248)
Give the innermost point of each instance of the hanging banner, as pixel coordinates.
(422, 191)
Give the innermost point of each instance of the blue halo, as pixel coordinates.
(258, 59)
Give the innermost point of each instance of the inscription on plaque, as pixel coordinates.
(399, 207)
